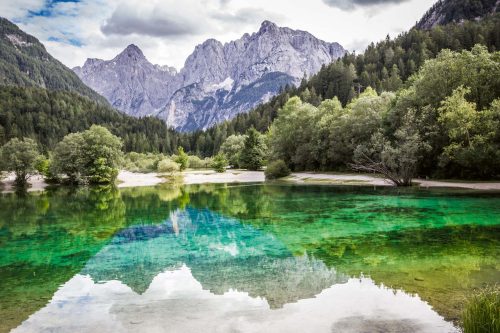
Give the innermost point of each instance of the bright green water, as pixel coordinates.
(275, 244)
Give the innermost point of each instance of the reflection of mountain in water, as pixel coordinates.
(221, 253)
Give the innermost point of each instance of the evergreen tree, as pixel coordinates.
(254, 151)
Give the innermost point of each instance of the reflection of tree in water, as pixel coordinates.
(46, 238)
(222, 254)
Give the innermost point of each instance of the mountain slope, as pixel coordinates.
(130, 82)
(25, 62)
(47, 116)
(456, 11)
(217, 81)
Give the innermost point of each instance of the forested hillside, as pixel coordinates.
(384, 66)
(456, 11)
(47, 116)
(24, 62)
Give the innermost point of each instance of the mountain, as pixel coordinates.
(217, 82)
(457, 11)
(25, 62)
(129, 81)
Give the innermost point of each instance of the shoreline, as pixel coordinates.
(132, 179)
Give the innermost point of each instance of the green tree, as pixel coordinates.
(91, 156)
(474, 137)
(67, 157)
(182, 159)
(232, 148)
(20, 156)
(219, 163)
(254, 151)
(459, 116)
(395, 160)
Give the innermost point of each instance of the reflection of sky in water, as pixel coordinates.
(200, 271)
(176, 302)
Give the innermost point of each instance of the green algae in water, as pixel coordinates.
(282, 244)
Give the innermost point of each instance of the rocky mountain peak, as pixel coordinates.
(131, 53)
(268, 26)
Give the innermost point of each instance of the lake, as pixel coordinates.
(251, 258)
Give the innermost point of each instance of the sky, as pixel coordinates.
(167, 31)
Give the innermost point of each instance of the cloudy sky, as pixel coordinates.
(168, 30)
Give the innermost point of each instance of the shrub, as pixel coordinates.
(197, 163)
(182, 158)
(219, 163)
(482, 312)
(168, 166)
(277, 169)
(137, 162)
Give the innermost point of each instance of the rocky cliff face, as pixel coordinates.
(456, 11)
(130, 82)
(218, 80)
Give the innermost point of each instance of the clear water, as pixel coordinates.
(248, 258)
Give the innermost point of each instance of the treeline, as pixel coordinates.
(47, 116)
(385, 66)
(444, 123)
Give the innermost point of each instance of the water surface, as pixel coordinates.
(244, 258)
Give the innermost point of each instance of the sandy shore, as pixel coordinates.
(7, 184)
(472, 185)
(134, 179)
(131, 179)
(230, 176)
(338, 179)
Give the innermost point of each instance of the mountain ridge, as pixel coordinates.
(213, 85)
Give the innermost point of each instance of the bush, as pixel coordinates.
(168, 166)
(182, 158)
(195, 162)
(137, 162)
(219, 163)
(482, 312)
(277, 169)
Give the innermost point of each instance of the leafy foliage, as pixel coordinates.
(397, 160)
(182, 159)
(232, 148)
(277, 169)
(433, 127)
(20, 157)
(91, 156)
(168, 166)
(219, 163)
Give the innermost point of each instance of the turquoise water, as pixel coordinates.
(244, 258)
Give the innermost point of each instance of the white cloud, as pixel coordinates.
(167, 31)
